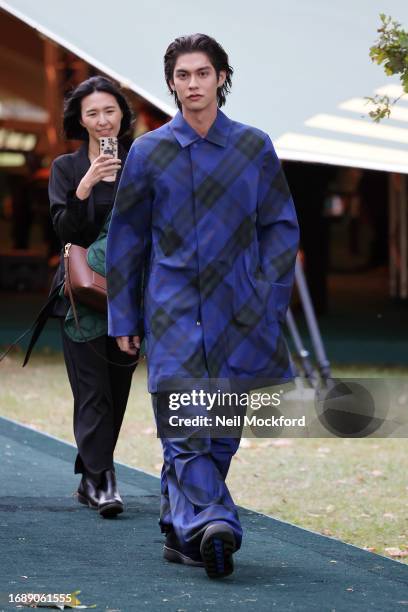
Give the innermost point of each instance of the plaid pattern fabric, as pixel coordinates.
(216, 216)
(193, 488)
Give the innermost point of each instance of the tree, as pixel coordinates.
(391, 50)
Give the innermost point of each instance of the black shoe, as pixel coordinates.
(172, 552)
(110, 502)
(88, 493)
(217, 547)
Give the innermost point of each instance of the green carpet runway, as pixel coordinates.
(51, 544)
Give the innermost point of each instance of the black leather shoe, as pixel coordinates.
(172, 552)
(216, 550)
(88, 493)
(110, 502)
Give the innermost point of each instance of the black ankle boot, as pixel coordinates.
(172, 552)
(110, 502)
(88, 493)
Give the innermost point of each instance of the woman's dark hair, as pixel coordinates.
(72, 107)
(207, 45)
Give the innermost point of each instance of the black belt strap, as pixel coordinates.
(37, 326)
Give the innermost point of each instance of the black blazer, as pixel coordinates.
(74, 220)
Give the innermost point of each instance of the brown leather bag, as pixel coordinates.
(81, 282)
(89, 288)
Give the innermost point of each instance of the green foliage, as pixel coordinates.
(391, 51)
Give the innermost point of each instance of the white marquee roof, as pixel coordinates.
(301, 68)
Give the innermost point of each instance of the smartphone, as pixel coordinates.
(108, 145)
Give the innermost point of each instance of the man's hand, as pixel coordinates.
(129, 344)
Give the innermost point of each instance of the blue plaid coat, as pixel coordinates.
(214, 220)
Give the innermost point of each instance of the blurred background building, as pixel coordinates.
(301, 74)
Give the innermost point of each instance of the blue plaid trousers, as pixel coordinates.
(193, 489)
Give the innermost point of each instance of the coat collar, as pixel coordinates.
(82, 162)
(186, 135)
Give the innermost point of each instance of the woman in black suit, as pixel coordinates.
(81, 199)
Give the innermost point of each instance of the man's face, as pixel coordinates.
(195, 81)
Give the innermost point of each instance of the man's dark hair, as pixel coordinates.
(72, 107)
(204, 44)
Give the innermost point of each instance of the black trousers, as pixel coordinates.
(100, 393)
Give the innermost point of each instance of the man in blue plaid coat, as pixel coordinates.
(203, 200)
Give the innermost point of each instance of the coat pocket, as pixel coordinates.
(278, 302)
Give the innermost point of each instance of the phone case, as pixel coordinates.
(108, 145)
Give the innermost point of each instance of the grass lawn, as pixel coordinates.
(354, 490)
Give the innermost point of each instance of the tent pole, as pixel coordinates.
(302, 352)
(392, 231)
(323, 362)
(403, 237)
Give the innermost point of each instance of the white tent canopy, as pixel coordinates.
(301, 68)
